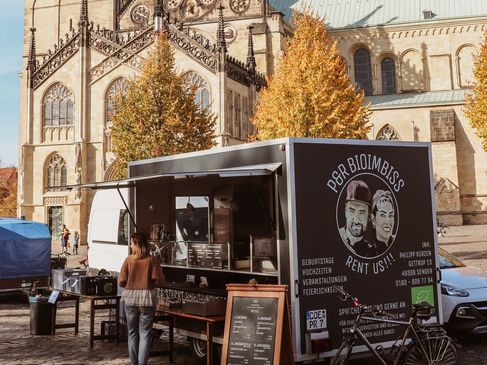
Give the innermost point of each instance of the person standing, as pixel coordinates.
(140, 275)
(75, 243)
(64, 239)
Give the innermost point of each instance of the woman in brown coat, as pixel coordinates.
(140, 275)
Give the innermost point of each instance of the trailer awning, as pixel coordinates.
(240, 171)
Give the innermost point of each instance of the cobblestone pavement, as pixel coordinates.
(468, 243)
(18, 346)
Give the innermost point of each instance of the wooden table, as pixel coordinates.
(66, 297)
(108, 302)
(209, 321)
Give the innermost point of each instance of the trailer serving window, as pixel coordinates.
(210, 214)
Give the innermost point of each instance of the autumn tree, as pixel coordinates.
(476, 107)
(8, 192)
(310, 94)
(8, 205)
(157, 114)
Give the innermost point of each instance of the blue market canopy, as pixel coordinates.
(25, 248)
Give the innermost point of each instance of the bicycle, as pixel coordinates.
(442, 229)
(419, 345)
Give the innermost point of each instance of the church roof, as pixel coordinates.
(367, 13)
(416, 100)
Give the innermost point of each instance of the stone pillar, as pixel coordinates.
(221, 136)
(444, 154)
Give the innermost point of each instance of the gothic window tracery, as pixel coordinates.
(388, 133)
(173, 4)
(140, 14)
(239, 6)
(58, 106)
(202, 92)
(245, 117)
(192, 9)
(56, 173)
(117, 86)
(388, 75)
(363, 70)
(237, 119)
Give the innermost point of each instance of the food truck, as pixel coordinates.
(308, 213)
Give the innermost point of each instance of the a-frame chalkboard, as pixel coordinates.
(257, 326)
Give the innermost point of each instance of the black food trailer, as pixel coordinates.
(308, 213)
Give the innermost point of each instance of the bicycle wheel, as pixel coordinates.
(342, 356)
(432, 351)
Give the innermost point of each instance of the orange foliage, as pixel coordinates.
(476, 107)
(8, 192)
(157, 115)
(310, 94)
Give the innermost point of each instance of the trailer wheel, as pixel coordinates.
(198, 347)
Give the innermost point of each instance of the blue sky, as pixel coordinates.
(11, 43)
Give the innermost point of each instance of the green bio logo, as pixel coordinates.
(108, 288)
(423, 294)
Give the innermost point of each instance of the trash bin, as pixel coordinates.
(41, 316)
(58, 262)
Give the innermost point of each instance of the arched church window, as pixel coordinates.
(202, 91)
(56, 173)
(388, 133)
(412, 71)
(466, 65)
(58, 106)
(117, 86)
(363, 70)
(388, 75)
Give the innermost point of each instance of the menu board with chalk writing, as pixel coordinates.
(256, 326)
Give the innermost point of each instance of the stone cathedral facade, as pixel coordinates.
(78, 54)
(414, 60)
(414, 64)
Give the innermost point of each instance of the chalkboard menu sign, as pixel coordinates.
(214, 256)
(257, 327)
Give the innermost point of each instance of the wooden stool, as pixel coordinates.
(169, 321)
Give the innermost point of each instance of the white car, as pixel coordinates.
(463, 294)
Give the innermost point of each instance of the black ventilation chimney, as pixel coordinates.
(427, 14)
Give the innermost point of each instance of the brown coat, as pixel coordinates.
(141, 273)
